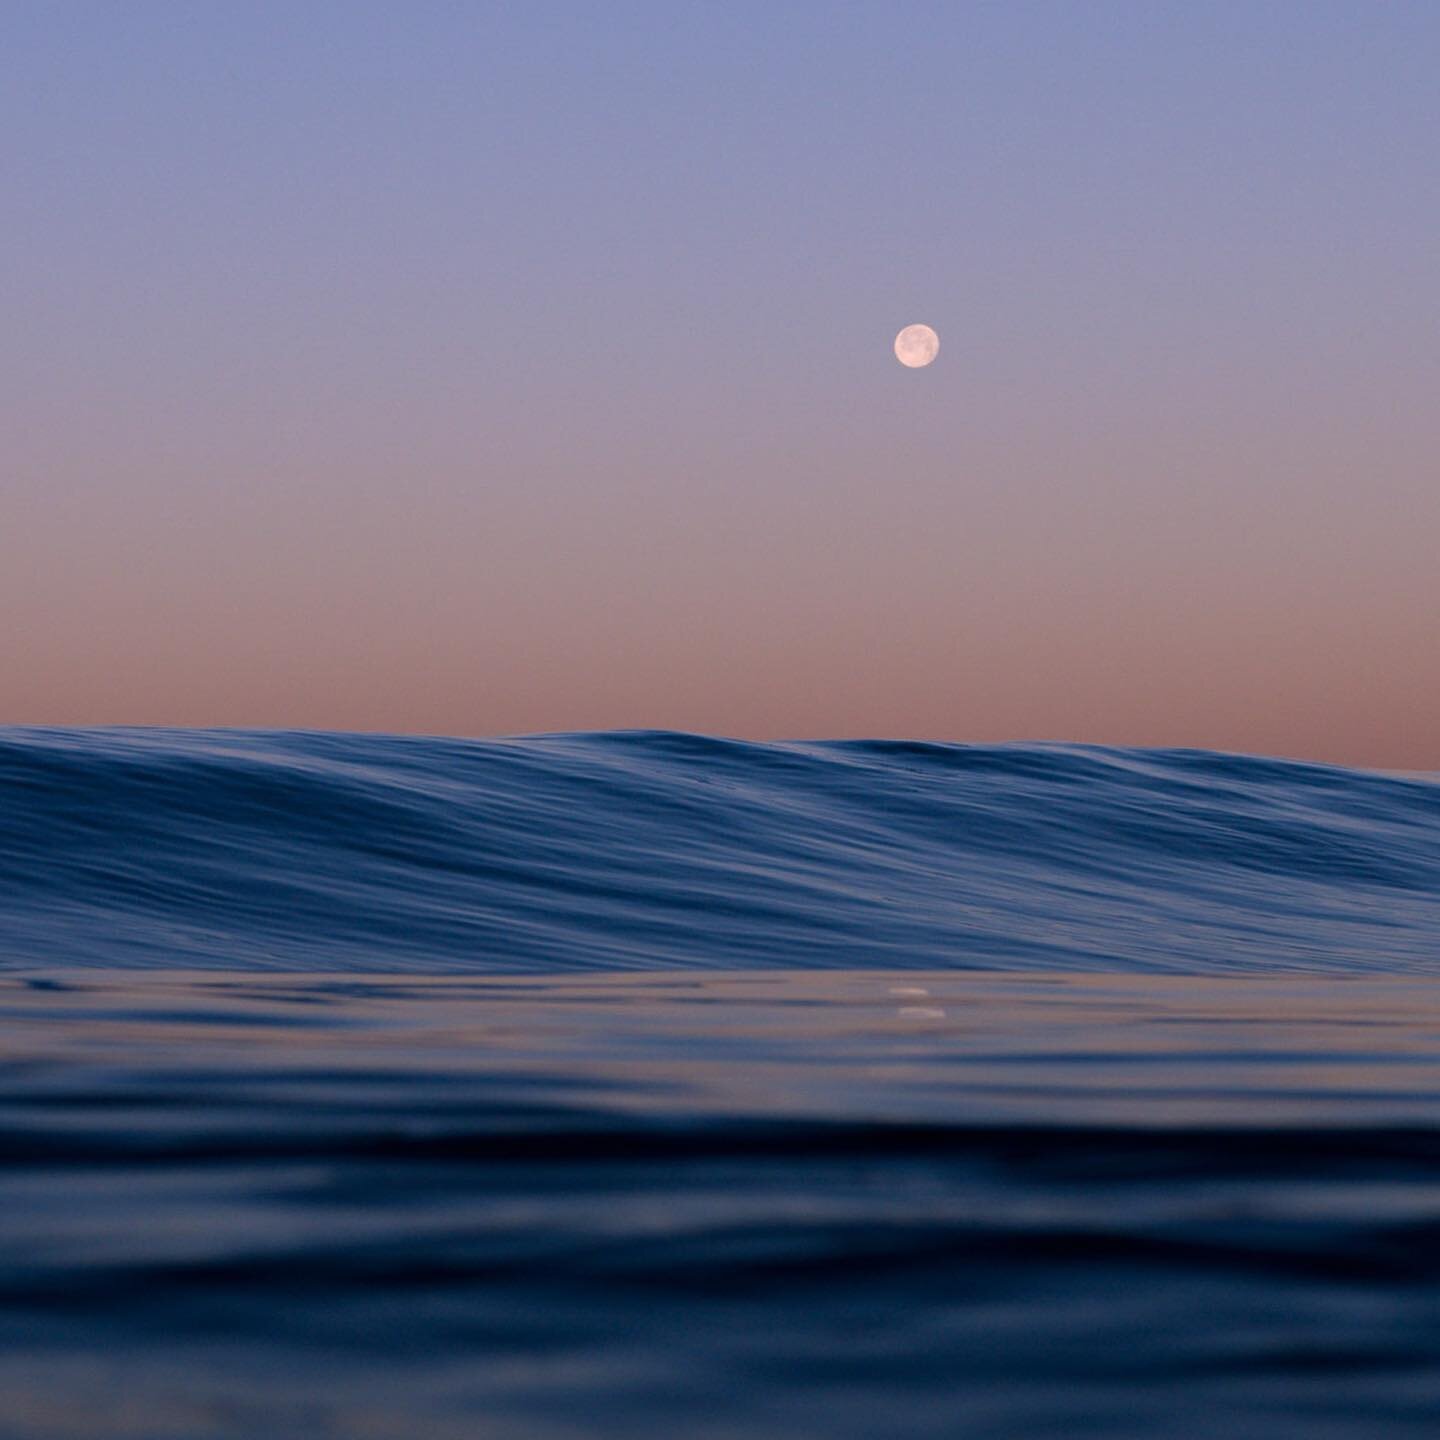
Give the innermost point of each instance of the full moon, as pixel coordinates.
(916, 345)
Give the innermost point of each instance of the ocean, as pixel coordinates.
(651, 1084)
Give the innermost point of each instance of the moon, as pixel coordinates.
(916, 345)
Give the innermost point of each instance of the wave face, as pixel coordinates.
(649, 850)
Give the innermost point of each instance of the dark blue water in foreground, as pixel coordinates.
(658, 1085)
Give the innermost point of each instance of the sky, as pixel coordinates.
(491, 368)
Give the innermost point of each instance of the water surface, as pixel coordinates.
(655, 1085)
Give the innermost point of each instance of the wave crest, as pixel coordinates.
(658, 850)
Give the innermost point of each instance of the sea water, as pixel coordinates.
(653, 1084)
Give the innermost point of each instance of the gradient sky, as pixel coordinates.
(483, 368)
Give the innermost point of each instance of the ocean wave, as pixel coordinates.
(654, 850)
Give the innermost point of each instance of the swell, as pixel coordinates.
(616, 1209)
(658, 850)
(429, 1153)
